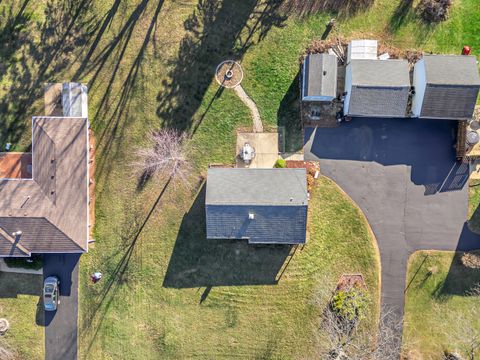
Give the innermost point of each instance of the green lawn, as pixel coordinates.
(181, 296)
(473, 206)
(439, 314)
(20, 305)
(151, 63)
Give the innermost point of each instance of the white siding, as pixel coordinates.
(348, 88)
(420, 83)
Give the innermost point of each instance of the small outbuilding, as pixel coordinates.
(377, 88)
(446, 87)
(265, 206)
(319, 78)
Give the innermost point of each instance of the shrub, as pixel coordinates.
(310, 181)
(280, 163)
(349, 305)
(471, 260)
(434, 10)
(35, 263)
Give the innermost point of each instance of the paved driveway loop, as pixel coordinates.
(403, 175)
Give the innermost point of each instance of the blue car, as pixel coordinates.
(51, 293)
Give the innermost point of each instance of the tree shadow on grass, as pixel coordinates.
(197, 261)
(288, 116)
(30, 60)
(460, 279)
(114, 107)
(400, 15)
(216, 31)
(304, 8)
(119, 271)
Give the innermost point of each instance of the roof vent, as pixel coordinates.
(17, 233)
(251, 216)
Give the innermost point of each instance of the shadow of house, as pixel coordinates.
(288, 116)
(197, 261)
(396, 142)
(14, 284)
(214, 32)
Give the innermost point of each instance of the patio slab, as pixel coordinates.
(266, 149)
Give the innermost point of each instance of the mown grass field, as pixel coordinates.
(150, 64)
(473, 206)
(20, 305)
(439, 313)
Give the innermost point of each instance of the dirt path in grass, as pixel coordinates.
(257, 121)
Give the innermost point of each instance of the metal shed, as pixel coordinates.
(446, 87)
(319, 78)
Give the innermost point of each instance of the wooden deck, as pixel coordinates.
(15, 165)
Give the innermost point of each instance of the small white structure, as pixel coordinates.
(74, 100)
(446, 87)
(362, 49)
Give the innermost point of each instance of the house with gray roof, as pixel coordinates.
(376, 88)
(319, 78)
(446, 87)
(264, 206)
(48, 211)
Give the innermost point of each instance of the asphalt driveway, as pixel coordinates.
(61, 325)
(404, 176)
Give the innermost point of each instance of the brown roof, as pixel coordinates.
(51, 209)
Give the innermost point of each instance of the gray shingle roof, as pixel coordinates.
(381, 73)
(319, 77)
(51, 209)
(451, 70)
(234, 195)
(452, 85)
(240, 186)
(379, 88)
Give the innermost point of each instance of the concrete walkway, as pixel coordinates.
(257, 121)
(403, 175)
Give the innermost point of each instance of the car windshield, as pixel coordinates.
(49, 288)
(48, 296)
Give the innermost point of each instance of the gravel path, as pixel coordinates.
(257, 122)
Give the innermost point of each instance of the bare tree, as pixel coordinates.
(165, 155)
(465, 330)
(343, 339)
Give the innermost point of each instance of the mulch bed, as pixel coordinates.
(349, 281)
(311, 166)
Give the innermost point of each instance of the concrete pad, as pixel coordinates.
(266, 149)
